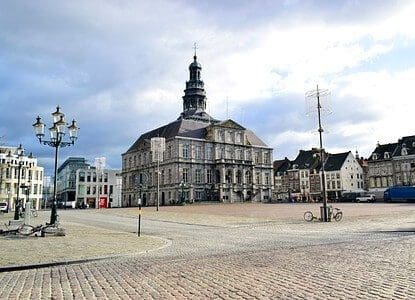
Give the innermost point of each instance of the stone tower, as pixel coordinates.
(194, 99)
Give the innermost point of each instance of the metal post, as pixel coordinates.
(139, 217)
(17, 204)
(28, 206)
(54, 214)
(182, 195)
(158, 180)
(324, 216)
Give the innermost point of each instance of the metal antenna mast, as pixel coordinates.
(311, 95)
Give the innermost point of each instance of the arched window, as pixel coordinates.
(217, 175)
(229, 176)
(239, 177)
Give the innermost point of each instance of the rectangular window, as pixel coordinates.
(209, 176)
(221, 135)
(185, 151)
(209, 153)
(266, 158)
(229, 154)
(198, 176)
(257, 158)
(185, 175)
(198, 154)
(169, 175)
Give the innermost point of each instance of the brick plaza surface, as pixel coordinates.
(81, 242)
(367, 256)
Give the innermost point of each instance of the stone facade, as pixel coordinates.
(98, 188)
(80, 185)
(204, 160)
(301, 179)
(30, 175)
(392, 164)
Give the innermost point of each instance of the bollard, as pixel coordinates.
(139, 218)
(27, 212)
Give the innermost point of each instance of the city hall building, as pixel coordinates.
(204, 159)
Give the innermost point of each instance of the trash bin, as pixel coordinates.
(329, 212)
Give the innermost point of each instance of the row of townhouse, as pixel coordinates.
(14, 162)
(392, 164)
(301, 178)
(81, 185)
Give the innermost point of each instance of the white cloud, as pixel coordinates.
(127, 62)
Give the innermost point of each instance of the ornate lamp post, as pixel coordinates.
(20, 163)
(57, 132)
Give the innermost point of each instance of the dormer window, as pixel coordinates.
(386, 155)
(404, 151)
(295, 166)
(374, 156)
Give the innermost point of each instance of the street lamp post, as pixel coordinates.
(57, 132)
(27, 206)
(182, 185)
(303, 188)
(20, 163)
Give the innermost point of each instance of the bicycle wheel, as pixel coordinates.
(338, 216)
(26, 229)
(308, 216)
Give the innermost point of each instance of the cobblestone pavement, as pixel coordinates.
(360, 257)
(81, 242)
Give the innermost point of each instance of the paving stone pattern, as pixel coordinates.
(363, 259)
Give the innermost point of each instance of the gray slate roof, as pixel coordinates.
(409, 142)
(334, 162)
(190, 128)
(307, 159)
(381, 149)
(281, 165)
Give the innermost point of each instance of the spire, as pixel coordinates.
(195, 47)
(194, 99)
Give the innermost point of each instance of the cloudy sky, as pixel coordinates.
(119, 68)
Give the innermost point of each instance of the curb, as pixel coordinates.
(50, 264)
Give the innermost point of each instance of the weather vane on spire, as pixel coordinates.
(195, 47)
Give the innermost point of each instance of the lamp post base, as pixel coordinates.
(325, 213)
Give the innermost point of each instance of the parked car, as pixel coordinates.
(366, 198)
(4, 207)
(349, 197)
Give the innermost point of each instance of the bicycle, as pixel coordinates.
(33, 213)
(334, 213)
(27, 230)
